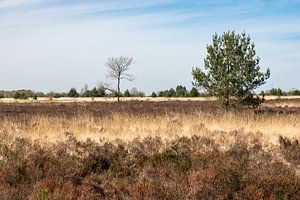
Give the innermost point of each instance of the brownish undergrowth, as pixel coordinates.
(148, 150)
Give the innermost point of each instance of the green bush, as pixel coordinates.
(73, 93)
(167, 93)
(153, 95)
(276, 92)
(194, 92)
(95, 92)
(294, 93)
(20, 95)
(181, 91)
(127, 93)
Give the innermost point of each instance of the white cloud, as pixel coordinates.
(51, 48)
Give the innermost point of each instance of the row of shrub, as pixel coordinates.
(280, 92)
(19, 94)
(194, 168)
(101, 91)
(180, 91)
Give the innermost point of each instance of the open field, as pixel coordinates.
(109, 121)
(188, 149)
(112, 99)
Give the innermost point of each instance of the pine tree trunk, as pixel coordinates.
(227, 104)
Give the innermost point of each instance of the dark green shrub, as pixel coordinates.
(276, 92)
(20, 95)
(251, 101)
(127, 93)
(58, 95)
(194, 92)
(153, 95)
(95, 92)
(294, 93)
(181, 91)
(167, 93)
(73, 93)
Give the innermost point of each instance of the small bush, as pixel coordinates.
(127, 93)
(153, 95)
(20, 95)
(73, 93)
(194, 92)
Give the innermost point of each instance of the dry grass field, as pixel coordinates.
(113, 99)
(150, 149)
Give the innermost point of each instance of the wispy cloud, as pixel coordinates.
(55, 37)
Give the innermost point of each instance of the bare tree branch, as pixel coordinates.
(117, 66)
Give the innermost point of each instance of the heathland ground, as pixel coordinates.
(150, 149)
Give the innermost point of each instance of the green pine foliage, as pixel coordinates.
(153, 95)
(127, 93)
(232, 70)
(73, 93)
(20, 95)
(194, 92)
(181, 91)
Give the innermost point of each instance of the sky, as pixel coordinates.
(53, 45)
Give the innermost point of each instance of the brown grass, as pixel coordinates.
(149, 150)
(126, 121)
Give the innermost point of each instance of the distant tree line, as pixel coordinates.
(20, 94)
(179, 91)
(102, 91)
(280, 92)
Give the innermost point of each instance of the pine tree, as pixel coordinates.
(232, 70)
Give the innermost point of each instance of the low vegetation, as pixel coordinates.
(148, 150)
(186, 168)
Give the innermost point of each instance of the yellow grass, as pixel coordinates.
(224, 128)
(102, 99)
(109, 99)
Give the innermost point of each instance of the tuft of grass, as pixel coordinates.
(43, 195)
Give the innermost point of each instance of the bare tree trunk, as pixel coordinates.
(118, 93)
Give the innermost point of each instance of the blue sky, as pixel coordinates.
(53, 45)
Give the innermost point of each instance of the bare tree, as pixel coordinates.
(117, 68)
